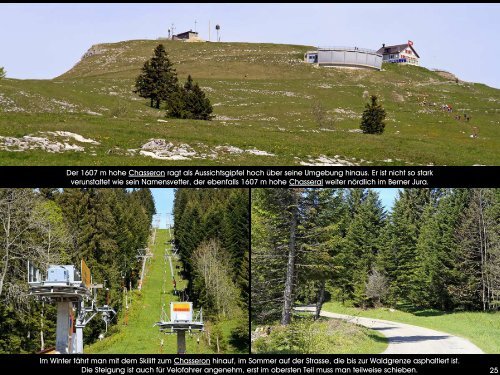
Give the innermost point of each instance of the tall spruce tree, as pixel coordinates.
(478, 258)
(320, 243)
(436, 274)
(275, 252)
(291, 204)
(267, 258)
(146, 201)
(235, 234)
(158, 80)
(398, 256)
(363, 244)
(372, 121)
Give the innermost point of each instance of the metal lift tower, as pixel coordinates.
(181, 321)
(69, 289)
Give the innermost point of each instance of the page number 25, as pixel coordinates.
(494, 370)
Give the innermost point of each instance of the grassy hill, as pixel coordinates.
(263, 95)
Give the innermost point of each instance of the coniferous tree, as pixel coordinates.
(176, 106)
(363, 243)
(158, 80)
(268, 261)
(320, 242)
(435, 268)
(145, 85)
(197, 104)
(274, 254)
(146, 201)
(398, 256)
(107, 228)
(479, 246)
(2, 72)
(235, 234)
(372, 121)
(190, 102)
(492, 218)
(354, 200)
(291, 206)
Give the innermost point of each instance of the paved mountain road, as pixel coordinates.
(406, 338)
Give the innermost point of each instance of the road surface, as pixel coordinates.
(408, 339)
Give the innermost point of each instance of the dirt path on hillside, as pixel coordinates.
(406, 338)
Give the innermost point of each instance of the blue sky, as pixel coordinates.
(45, 40)
(164, 201)
(387, 197)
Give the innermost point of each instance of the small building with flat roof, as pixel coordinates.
(187, 35)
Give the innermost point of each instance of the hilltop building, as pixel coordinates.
(186, 36)
(345, 57)
(400, 54)
(311, 57)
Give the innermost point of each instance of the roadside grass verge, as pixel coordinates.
(325, 336)
(481, 328)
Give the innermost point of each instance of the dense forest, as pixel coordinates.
(436, 248)
(212, 237)
(105, 227)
